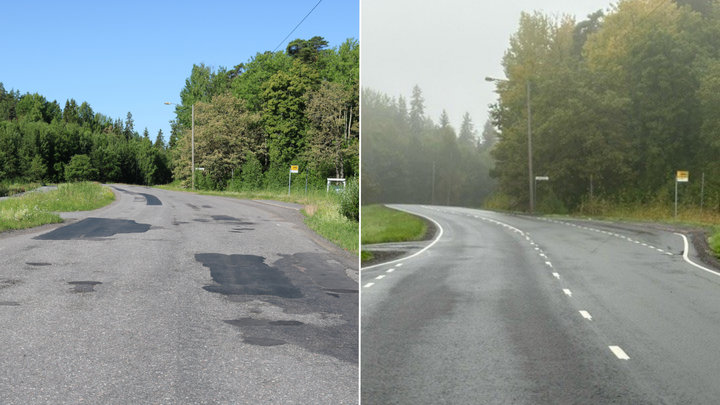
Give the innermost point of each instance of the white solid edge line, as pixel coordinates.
(418, 253)
(687, 259)
(620, 353)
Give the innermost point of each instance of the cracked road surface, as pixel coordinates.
(174, 298)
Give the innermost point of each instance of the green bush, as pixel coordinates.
(80, 169)
(350, 200)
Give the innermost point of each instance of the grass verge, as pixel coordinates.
(321, 211)
(34, 209)
(714, 241)
(381, 225)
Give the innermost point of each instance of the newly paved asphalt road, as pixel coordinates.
(174, 298)
(508, 309)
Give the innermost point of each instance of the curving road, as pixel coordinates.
(174, 298)
(503, 309)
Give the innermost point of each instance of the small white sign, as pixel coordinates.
(545, 178)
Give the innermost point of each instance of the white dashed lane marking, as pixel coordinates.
(586, 315)
(369, 285)
(620, 353)
(615, 235)
(567, 292)
(380, 277)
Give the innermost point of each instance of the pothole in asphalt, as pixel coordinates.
(38, 264)
(84, 286)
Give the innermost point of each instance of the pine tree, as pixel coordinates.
(160, 140)
(467, 130)
(146, 134)
(444, 120)
(417, 111)
(129, 127)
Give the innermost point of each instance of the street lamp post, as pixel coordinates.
(192, 140)
(529, 136)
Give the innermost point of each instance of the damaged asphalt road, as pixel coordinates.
(167, 297)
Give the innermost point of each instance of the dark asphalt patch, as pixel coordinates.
(246, 275)
(261, 322)
(342, 290)
(94, 228)
(84, 286)
(195, 207)
(38, 264)
(224, 218)
(206, 206)
(179, 223)
(9, 304)
(201, 220)
(151, 199)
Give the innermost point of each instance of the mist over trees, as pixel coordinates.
(407, 158)
(620, 103)
(292, 107)
(40, 141)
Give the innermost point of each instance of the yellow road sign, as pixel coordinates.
(683, 176)
(294, 169)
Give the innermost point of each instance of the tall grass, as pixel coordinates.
(36, 208)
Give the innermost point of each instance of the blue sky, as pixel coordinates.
(134, 55)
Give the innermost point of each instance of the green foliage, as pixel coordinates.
(80, 169)
(350, 200)
(266, 114)
(252, 176)
(619, 103)
(714, 242)
(39, 143)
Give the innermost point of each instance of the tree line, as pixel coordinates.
(408, 158)
(41, 141)
(299, 107)
(620, 101)
(252, 122)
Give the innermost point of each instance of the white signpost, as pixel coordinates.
(293, 169)
(681, 177)
(539, 178)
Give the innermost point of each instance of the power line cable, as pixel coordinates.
(296, 27)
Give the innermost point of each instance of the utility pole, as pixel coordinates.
(530, 159)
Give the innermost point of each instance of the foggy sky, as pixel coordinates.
(447, 48)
